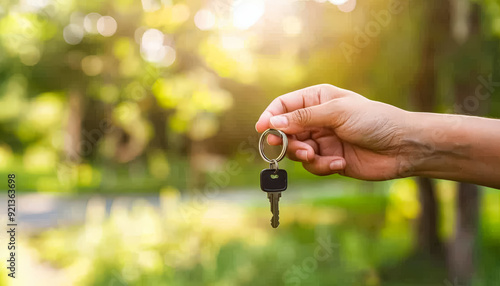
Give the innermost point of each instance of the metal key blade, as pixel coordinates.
(274, 198)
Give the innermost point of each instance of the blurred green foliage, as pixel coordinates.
(358, 238)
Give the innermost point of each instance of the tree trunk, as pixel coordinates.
(427, 236)
(72, 147)
(424, 98)
(461, 250)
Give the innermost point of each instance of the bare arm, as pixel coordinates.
(332, 130)
(454, 147)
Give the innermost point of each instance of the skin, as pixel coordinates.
(333, 130)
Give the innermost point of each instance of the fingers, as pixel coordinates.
(300, 120)
(301, 151)
(263, 122)
(274, 140)
(307, 97)
(307, 153)
(297, 150)
(325, 165)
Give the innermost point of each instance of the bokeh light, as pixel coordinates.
(180, 13)
(106, 26)
(153, 48)
(152, 45)
(73, 34)
(150, 5)
(90, 22)
(36, 4)
(29, 55)
(152, 39)
(77, 18)
(92, 65)
(204, 126)
(169, 57)
(204, 19)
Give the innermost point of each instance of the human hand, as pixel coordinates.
(333, 130)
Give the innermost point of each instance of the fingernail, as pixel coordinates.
(302, 155)
(336, 165)
(256, 127)
(279, 121)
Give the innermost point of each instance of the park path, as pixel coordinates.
(39, 211)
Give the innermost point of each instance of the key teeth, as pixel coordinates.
(275, 225)
(274, 200)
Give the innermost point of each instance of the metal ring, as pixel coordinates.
(274, 165)
(283, 150)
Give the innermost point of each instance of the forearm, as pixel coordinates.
(453, 147)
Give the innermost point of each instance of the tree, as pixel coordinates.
(469, 74)
(425, 97)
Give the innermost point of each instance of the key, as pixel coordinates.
(274, 181)
(274, 199)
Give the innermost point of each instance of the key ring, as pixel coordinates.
(274, 165)
(283, 150)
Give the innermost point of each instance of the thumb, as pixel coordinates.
(302, 119)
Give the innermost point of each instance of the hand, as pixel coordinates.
(332, 130)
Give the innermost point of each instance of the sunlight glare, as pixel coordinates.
(247, 13)
(338, 2)
(348, 6)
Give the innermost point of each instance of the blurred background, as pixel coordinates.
(130, 127)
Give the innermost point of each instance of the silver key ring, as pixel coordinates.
(283, 150)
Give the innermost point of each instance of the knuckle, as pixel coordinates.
(302, 116)
(325, 86)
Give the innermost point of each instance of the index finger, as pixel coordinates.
(309, 96)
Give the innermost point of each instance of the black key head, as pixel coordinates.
(273, 181)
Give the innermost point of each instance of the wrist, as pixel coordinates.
(431, 145)
(413, 149)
